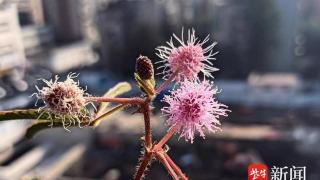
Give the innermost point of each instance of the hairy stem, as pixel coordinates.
(145, 107)
(176, 168)
(163, 160)
(143, 165)
(134, 100)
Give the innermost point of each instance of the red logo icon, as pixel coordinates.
(257, 172)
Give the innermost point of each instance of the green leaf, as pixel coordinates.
(41, 125)
(117, 90)
(98, 120)
(23, 114)
(147, 86)
(44, 119)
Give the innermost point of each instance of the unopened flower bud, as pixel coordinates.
(144, 67)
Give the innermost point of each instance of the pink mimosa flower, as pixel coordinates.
(192, 107)
(190, 57)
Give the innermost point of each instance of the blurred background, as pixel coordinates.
(269, 76)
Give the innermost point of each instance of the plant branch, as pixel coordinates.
(99, 119)
(147, 124)
(176, 169)
(143, 165)
(165, 84)
(163, 160)
(166, 138)
(145, 107)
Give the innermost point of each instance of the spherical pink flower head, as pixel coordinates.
(192, 107)
(189, 58)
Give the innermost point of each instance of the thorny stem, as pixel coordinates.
(161, 157)
(143, 165)
(166, 137)
(176, 169)
(134, 100)
(167, 82)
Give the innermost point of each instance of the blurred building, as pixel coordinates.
(247, 32)
(307, 38)
(12, 53)
(259, 36)
(50, 34)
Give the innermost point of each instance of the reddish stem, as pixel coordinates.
(176, 169)
(160, 157)
(167, 82)
(148, 140)
(134, 100)
(166, 137)
(147, 124)
(143, 165)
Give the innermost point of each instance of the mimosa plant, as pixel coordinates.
(191, 107)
